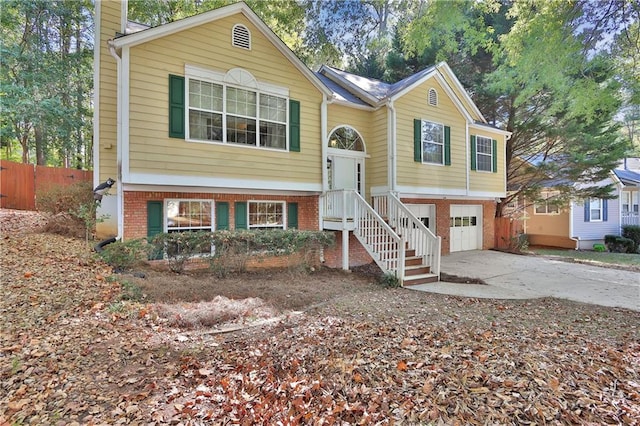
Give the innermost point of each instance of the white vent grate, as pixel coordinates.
(433, 97)
(241, 37)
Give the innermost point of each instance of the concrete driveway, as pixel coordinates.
(511, 276)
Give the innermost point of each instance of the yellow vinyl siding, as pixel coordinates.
(110, 24)
(209, 47)
(412, 106)
(480, 181)
(461, 96)
(377, 165)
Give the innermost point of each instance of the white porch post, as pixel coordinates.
(345, 249)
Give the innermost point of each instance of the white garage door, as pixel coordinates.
(466, 228)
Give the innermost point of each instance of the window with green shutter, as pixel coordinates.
(431, 142)
(176, 106)
(292, 215)
(473, 152)
(495, 155)
(294, 126)
(484, 154)
(240, 215)
(222, 215)
(155, 225)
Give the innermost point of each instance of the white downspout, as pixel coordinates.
(577, 240)
(119, 187)
(96, 95)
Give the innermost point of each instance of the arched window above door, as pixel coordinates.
(346, 138)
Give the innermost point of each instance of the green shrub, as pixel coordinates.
(599, 248)
(131, 291)
(123, 256)
(230, 249)
(633, 233)
(617, 244)
(389, 280)
(72, 203)
(64, 199)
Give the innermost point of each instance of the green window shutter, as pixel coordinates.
(176, 106)
(241, 215)
(473, 152)
(495, 155)
(292, 215)
(447, 145)
(294, 126)
(417, 140)
(222, 215)
(155, 225)
(605, 210)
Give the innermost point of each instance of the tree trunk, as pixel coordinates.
(40, 146)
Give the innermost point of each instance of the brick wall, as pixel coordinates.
(358, 256)
(135, 208)
(443, 215)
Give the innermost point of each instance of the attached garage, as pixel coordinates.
(465, 231)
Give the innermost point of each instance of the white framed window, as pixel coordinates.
(256, 115)
(432, 136)
(629, 201)
(595, 210)
(346, 137)
(189, 215)
(266, 215)
(484, 154)
(433, 97)
(546, 207)
(625, 201)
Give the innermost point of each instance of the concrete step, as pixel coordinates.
(419, 279)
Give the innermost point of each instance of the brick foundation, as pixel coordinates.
(358, 255)
(135, 208)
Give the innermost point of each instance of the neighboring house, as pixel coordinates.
(581, 224)
(211, 122)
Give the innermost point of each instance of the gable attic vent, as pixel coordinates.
(241, 37)
(433, 97)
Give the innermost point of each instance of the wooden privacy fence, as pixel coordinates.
(506, 231)
(20, 182)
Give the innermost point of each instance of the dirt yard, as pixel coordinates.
(80, 345)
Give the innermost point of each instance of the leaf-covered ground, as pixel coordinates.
(73, 352)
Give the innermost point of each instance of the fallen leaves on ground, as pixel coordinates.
(73, 352)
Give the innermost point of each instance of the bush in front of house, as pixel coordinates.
(633, 233)
(72, 209)
(124, 256)
(618, 244)
(229, 250)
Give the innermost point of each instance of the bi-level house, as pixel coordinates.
(212, 122)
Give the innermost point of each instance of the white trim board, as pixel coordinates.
(217, 184)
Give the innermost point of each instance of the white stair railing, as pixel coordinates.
(381, 242)
(411, 229)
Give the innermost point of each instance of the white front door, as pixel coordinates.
(344, 173)
(465, 228)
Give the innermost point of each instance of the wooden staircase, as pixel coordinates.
(414, 258)
(415, 271)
